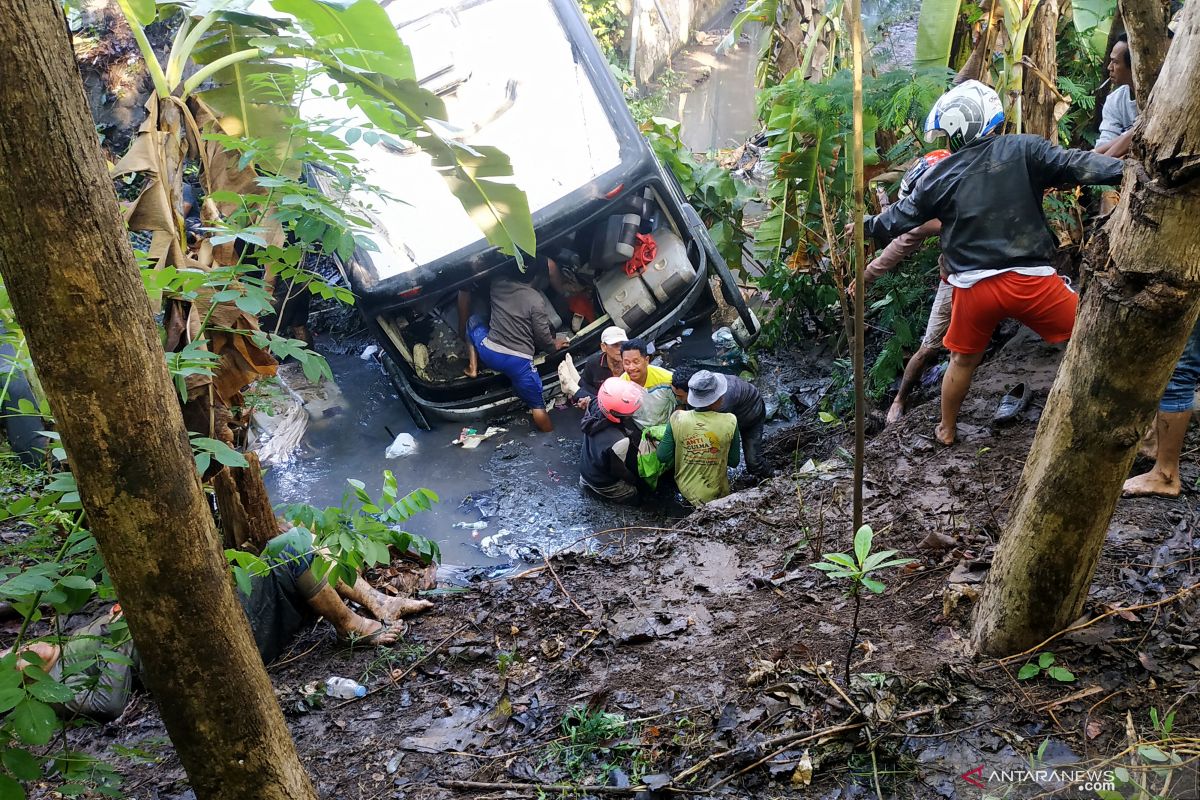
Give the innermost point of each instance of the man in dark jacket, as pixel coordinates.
(520, 327)
(602, 366)
(995, 242)
(608, 460)
(743, 400)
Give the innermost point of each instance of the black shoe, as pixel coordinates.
(1012, 404)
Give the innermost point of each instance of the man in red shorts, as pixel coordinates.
(996, 246)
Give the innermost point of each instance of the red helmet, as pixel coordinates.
(909, 181)
(619, 397)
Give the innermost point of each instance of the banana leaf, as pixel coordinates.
(935, 32)
(1093, 19)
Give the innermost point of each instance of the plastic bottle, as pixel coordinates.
(344, 688)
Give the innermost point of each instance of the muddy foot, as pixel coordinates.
(372, 632)
(894, 413)
(945, 435)
(389, 609)
(1152, 484)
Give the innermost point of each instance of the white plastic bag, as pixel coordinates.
(405, 445)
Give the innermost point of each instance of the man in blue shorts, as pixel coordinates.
(520, 327)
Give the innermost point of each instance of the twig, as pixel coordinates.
(395, 679)
(1165, 601)
(557, 580)
(781, 743)
(564, 788)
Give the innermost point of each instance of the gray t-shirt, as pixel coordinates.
(1118, 116)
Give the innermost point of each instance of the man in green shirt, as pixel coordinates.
(702, 444)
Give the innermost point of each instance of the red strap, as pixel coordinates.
(643, 253)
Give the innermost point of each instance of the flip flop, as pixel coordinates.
(399, 627)
(1013, 403)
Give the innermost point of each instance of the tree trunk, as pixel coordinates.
(1139, 308)
(1039, 97)
(1146, 23)
(78, 296)
(247, 520)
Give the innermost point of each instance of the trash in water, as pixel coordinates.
(470, 438)
(688, 331)
(404, 445)
(670, 344)
(471, 526)
(482, 502)
(369, 351)
(723, 338)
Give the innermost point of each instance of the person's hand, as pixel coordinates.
(584, 402)
(561, 344)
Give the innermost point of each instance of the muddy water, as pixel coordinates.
(523, 484)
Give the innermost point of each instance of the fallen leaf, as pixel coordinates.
(802, 775)
(1093, 728)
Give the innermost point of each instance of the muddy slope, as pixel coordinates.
(709, 658)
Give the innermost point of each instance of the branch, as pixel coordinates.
(221, 63)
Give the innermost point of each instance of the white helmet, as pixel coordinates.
(965, 113)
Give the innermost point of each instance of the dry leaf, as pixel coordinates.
(802, 775)
(1093, 728)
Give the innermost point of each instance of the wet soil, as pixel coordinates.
(724, 652)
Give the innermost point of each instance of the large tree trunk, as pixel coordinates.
(1139, 308)
(1039, 95)
(78, 296)
(1146, 23)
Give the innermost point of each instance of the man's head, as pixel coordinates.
(965, 114)
(618, 399)
(706, 390)
(679, 383)
(635, 358)
(1120, 64)
(610, 342)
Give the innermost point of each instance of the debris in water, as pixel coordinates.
(471, 526)
(404, 445)
(470, 438)
(369, 351)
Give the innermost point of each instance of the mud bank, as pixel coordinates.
(706, 659)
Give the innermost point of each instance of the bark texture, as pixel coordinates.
(1141, 303)
(77, 294)
(1146, 24)
(1039, 93)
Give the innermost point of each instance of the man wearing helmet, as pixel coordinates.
(608, 460)
(996, 246)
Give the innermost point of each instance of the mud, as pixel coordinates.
(723, 650)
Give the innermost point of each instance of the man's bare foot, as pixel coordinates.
(1154, 483)
(390, 609)
(945, 435)
(894, 413)
(471, 372)
(369, 631)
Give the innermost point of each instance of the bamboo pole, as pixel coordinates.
(859, 258)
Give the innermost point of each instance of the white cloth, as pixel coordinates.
(568, 377)
(965, 280)
(1119, 114)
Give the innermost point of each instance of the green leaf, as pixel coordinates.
(142, 10)
(862, 543)
(826, 417)
(22, 764)
(1152, 753)
(361, 33)
(33, 721)
(935, 32)
(10, 789)
(9, 697)
(874, 585)
(50, 691)
(841, 559)
(1045, 660)
(1028, 671)
(1060, 674)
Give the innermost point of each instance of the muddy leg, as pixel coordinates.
(913, 370)
(542, 420)
(348, 624)
(954, 390)
(383, 607)
(1163, 478)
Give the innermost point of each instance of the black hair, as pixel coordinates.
(681, 376)
(1124, 38)
(635, 344)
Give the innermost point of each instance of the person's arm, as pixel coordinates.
(464, 313)
(1061, 167)
(552, 272)
(1118, 147)
(666, 448)
(900, 217)
(735, 449)
(543, 333)
(899, 249)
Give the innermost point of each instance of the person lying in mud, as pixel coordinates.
(742, 399)
(995, 242)
(897, 250)
(281, 604)
(702, 444)
(608, 459)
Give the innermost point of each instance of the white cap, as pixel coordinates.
(613, 335)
